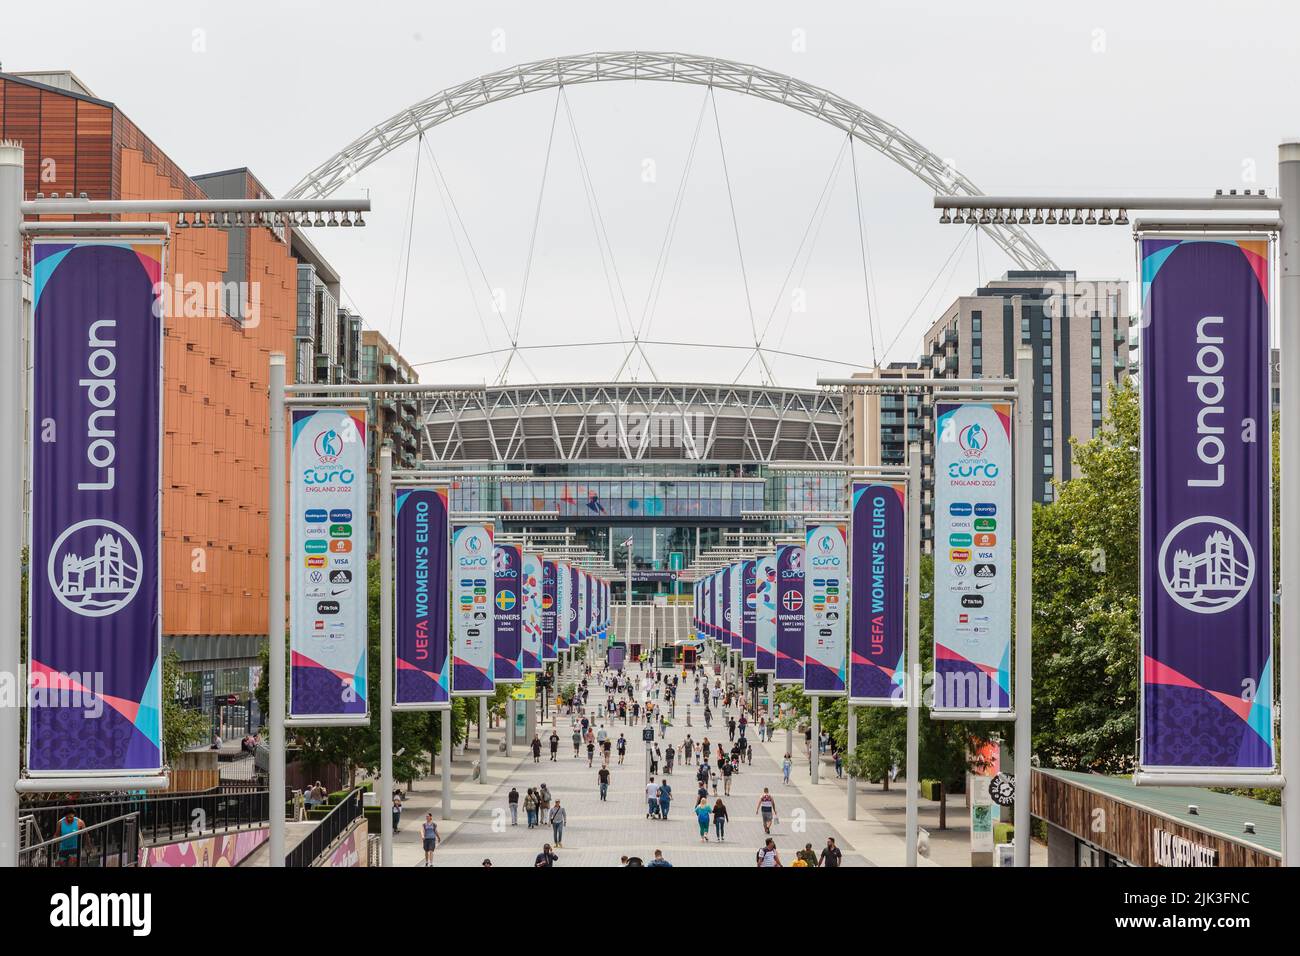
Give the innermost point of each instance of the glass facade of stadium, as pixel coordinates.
(673, 467)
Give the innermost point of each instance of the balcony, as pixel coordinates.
(949, 337)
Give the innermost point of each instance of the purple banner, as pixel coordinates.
(1207, 613)
(877, 609)
(789, 614)
(617, 657)
(765, 614)
(748, 649)
(507, 638)
(575, 630)
(549, 599)
(94, 651)
(423, 624)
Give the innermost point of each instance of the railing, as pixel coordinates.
(111, 843)
(163, 819)
(329, 829)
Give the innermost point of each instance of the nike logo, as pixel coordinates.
(335, 592)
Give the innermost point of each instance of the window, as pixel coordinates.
(1047, 406)
(1096, 355)
(977, 353)
(1047, 355)
(1096, 407)
(1047, 327)
(1096, 324)
(1047, 381)
(1047, 466)
(1096, 379)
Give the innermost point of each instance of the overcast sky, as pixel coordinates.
(1027, 97)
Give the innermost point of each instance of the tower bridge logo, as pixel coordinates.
(94, 568)
(1206, 564)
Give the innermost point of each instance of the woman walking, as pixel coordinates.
(702, 812)
(720, 820)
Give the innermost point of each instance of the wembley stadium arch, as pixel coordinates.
(683, 470)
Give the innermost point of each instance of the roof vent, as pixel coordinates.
(1249, 827)
(1193, 809)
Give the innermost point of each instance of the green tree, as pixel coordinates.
(182, 727)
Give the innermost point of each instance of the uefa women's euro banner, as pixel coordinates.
(328, 613)
(748, 650)
(1207, 613)
(879, 547)
(531, 615)
(765, 614)
(95, 623)
(423, 632)
(825, 580)
(972, 560)
(473, 620)
(550, 602)
(507, 640)
(789, 614)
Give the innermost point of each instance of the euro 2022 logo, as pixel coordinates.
(95, 567)
(1206, 564)
(973, 439)
(328, 446)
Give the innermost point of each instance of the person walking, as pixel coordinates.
(651, 799)
(622, 747)
(669, 754)
(665, 799)
(397, 809)
(831, 856)
(577, 741)
(768, 857)
(555, 745)
(731, 728)
(559, 817)
(547, 857)
(530, 807)
(785, 770)
(839, 765)
(727, 771)
(544, 804)
(591, 750)
(720, 820)
(602, 777)
(429, 831)
(767, 809)
(808, 855)
(537, 749)
(659, 859)
(512, 798)
(702, 812)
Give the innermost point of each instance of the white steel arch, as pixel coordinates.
(668, 68)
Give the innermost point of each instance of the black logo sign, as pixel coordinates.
(985, 570)
(327, 607)
(1002, 788)
(972, 600)
(340, 577)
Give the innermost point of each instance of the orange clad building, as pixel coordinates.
(216, 360)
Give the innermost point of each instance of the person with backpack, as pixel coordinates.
(622, 747)
(720, 820)
(727, 771)
(544, 804)
(767, 809)
(530, 807)
(768, 857)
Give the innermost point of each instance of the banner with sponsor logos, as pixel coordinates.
(507, 616)
(473, 673)
(826, 565)
(765, 614)
(95, 619)
(789, 614)
(530, 619)
(748, 649)
(877, 610)
(1207, 612)
(329, 616)
(973, 493)
(423, 547)
(550, 604)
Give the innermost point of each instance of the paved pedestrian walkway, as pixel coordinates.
(599, 832)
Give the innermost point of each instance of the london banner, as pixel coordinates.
(1207, 668)
(530, 622)
(825, 577)
(422, 596)
(328, 614)
(789, 614)
(95, 625)
(473, 620)
(876, 614)
(507, 635)
(972, 560)
(765, 614)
